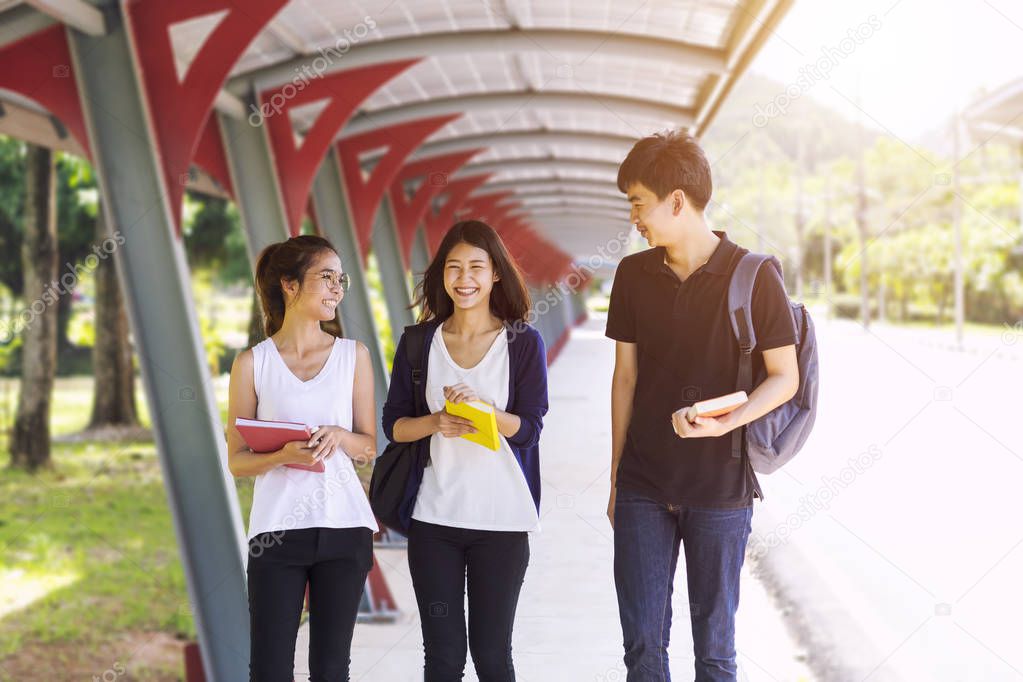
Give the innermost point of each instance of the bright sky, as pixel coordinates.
(918, 60)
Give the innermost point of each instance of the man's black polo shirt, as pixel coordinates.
(687, 352)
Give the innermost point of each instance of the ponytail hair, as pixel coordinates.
(288, 260)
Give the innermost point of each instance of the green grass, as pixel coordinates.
(88, 548)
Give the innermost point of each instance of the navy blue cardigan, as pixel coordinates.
(527, 398)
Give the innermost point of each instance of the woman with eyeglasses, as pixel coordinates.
(473, 510)
(305, 527)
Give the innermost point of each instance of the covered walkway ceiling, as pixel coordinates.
(999, 113)
(384, 122)
(549, 92)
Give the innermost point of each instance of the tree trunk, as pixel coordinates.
(113, 401)
(30, 442)
(63, 322)
(256, 331)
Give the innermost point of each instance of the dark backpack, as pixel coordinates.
(775, 438)
(398, 470)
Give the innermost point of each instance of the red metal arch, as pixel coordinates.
(496, 215)
(483, 207)
(178, 109)
(409, 211)
(521, 240)
(456, 192)
(39, 67)
(541, 260)
(296, 164)
(209, 155)
(366, 193)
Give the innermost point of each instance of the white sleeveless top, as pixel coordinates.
(466, 485)
(287, 498)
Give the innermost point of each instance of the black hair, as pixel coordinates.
(509, 299)
(667, 161)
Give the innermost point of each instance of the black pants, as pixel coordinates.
(334, 562)
(442, 561)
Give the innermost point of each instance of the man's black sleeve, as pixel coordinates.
(621, 315)
(772, 315)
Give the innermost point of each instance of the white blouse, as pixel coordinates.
(287, 498)
(466, 485)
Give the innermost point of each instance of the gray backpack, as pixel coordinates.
(775, 438)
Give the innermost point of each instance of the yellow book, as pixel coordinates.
(482, 417)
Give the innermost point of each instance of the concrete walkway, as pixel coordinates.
(567, 624)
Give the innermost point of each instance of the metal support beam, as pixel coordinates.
(577, 301)
(566, 308)
(519, 138)
(558, 313)
(59, 98)
(544, 164)
(570, 212)
(545, 186)
(153, 275)
(578, 305)
(420, 259)
(22, 21)
(387, 250)
(255, 187)
(35, 125)
(510, 102)
(748, 37)
(552, 174)
(459, 43)
(554, 314)
(541, 324)
(75, 13)
(530, 201)
(356, 310)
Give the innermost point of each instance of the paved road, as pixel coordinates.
(897, 534)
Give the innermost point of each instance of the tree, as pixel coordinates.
(12, 206)
(113, 401)
(30, 442)
(214, 240)
(76, 228)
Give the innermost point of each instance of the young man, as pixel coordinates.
(674, 480)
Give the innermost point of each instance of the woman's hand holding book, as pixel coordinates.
(298, 452)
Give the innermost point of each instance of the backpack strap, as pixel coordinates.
(415, 336)
(740, 313)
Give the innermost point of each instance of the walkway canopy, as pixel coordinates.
(382, 122)
(999, 115)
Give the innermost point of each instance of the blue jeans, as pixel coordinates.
(647, 536)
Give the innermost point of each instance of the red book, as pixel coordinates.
(270, 436)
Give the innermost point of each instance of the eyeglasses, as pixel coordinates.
(332, 278)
